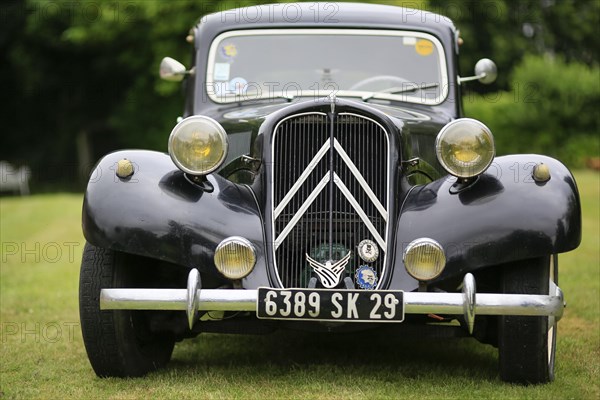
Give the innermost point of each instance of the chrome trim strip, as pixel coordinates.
(301, 211)
(360, 179)
(143, 299)
(444, 84)
(311, 166)
(361, 213)
(486, 304)
(176, 299)
(414, 302)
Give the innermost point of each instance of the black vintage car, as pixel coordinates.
(323, 178)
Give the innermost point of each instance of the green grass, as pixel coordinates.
(42, 354)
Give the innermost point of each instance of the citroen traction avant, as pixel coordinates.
(323, 177)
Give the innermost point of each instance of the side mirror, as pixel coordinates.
(485, 71)
(172, 70)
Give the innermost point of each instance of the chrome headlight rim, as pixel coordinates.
(239, 240)
(219, 129)
(471, 173)
(421, 242)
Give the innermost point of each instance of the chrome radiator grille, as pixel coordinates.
(330, 191)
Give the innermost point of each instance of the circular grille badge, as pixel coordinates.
(368, 250)
(366, 277)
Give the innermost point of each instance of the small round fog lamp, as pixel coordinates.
(235, 257)
(465, 147)
(424, 259)
(198, 145)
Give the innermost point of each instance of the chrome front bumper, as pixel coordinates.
(468, 303)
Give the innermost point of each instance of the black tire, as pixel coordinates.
(118, 343)
(527, 345)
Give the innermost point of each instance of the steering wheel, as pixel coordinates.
(369, 82)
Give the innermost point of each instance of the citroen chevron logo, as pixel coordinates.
(312, 165)
(321, 186)
(329, 273)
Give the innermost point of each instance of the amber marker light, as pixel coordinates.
(235, 257)
(424, 259)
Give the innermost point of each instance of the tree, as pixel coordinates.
(82, 80)
(79, 78)
(506, 30)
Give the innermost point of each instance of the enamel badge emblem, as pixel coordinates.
(329, 273)
(366, 277)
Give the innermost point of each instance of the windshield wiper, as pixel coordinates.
(400, 89)
(287, 97)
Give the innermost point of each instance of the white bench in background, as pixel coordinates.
(14, 179)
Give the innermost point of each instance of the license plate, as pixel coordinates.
(331, 305)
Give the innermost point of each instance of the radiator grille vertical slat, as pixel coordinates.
(296, 141)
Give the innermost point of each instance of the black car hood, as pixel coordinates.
(417, 125)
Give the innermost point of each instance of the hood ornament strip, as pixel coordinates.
(332, 101)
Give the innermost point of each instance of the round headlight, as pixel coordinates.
(465, 147)
(424, 259)
(235, 257)
(198, 145)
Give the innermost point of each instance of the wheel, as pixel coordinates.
(118, 342)
(527, 345)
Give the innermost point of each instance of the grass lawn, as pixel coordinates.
(42, 354)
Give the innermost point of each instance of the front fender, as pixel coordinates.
(159, 213)
(503, 217)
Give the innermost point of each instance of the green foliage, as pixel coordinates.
(89, 72)
(506, 30)
(79, 78)
(552, 109)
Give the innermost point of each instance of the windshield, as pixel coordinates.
(393, 65)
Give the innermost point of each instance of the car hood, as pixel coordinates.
(417, 124)
(261, 111)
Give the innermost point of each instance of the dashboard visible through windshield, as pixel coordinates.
(390, 65)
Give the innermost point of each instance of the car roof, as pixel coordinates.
(323, 15)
